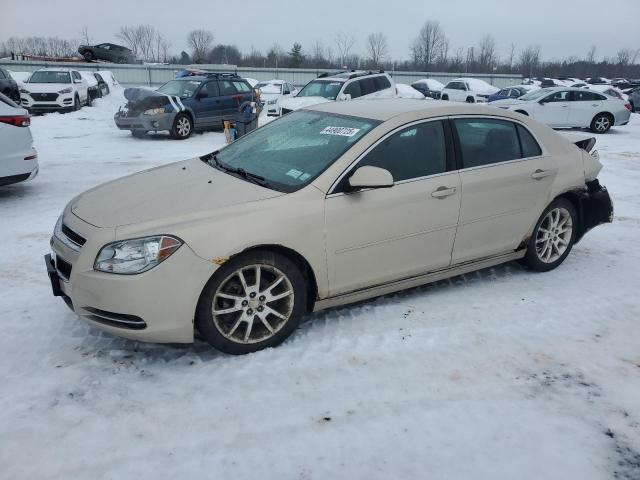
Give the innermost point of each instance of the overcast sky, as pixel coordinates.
(560, 27)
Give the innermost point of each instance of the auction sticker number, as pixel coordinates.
(340, 131)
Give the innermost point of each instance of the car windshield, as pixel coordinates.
(50, 77)
(536, 94)
(180, 88)
(321, 88)
(290, 152)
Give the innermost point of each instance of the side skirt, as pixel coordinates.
(387, 288)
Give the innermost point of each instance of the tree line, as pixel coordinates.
(430, 50)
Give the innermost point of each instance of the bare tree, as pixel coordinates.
(429, 43)
(487, 52)
(591, 55)
(512, 54)
(85, 39)
(130, 35)
(200, 41)
(623, 57)
(344, 43)
(377, 47)
(529, 60)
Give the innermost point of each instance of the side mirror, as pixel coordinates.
(201, 95)
(371, 177)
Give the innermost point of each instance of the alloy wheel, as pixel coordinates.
(252, 304)
(183, 127)
(554, 235)
(602, 124)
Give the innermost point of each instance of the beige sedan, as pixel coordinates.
(325, 206)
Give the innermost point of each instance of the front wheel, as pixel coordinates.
(553, 236)
(254, 301)
(445, 97)
(601, 123)
(471, 100)
(182, 127)
(88, 56)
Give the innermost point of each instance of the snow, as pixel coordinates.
(431, 84)
(500, 374)
(407, 91)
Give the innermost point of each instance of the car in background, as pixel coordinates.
(609, 90)
(470, 90)
(55, 89)
(340, 87)
(180, 106)
(428, 87)
(103, 86)
(598, 81)
(567, 107)
(108, 52)
(8, 86)
(326, 206)
(634, 100)
(272, 93)
(508, 92)
(18, 157)
(407, 91)
(92, 85)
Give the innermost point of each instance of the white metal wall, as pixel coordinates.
(155, 75)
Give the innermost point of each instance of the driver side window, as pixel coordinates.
(413, 152)
(562, 96)
(210, 89)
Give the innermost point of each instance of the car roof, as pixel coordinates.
(385, 109)
(52, 69)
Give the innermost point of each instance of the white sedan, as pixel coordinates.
(562, 107)
(272, 92)
(18, 158)
(470, 90)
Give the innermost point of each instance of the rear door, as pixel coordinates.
(505, 184)
(584, 106)
(229, 99)
(380, 235)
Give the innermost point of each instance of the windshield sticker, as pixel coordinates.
(294, 173)
(303, 177)
(340, 131)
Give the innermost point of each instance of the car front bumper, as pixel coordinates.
(155, 306)
(145, 123)
(32, 103)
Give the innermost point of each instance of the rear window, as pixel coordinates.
(242, 87)
(367, 86)
(382, 82)
(484, 141)
(530, 147)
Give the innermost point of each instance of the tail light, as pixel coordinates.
(627, 106)
(16, 120)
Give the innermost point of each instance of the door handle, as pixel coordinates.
(540, 174)
(443, 192)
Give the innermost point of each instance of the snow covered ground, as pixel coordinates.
(501, 374)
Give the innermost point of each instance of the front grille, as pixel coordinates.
(44, 97)
(112, 319)
(63, 267)
(73, 236)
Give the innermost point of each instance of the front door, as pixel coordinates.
(376, 236)
(505, 182)
(554, 109)
(207, 105)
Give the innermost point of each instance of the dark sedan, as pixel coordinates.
(509, 92)
(108, 52)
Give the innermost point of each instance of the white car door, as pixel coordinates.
(554, 109)
(584, 106)
(375, 236)
(505, 182)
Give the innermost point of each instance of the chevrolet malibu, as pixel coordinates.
(326, 206)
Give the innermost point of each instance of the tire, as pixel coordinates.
(445, 97)
(247, 326)
(549, 245)
(182, 127)
(138, 133)
(471, 100)
(633, 107)
(601, 123)
(88, 56)
(76, 104)
(89, 101)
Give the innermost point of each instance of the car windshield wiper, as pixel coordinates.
(251, 177)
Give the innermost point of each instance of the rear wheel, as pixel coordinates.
(601, 123)
(254, 301)
(445, 97)
(182, 127)
(88, 56)
(553, 236)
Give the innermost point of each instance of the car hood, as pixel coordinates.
(46, 87)
(171, 193)
(144, 98)
(302, 102)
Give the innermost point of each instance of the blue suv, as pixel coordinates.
(180, 106)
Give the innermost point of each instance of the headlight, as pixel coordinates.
(66, 90)
(154, 111)
(138, 255)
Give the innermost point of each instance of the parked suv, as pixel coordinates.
(8, 86)
(180, 106)
(51, 89)
(470, 90)
(342, 86)
(108, 52)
